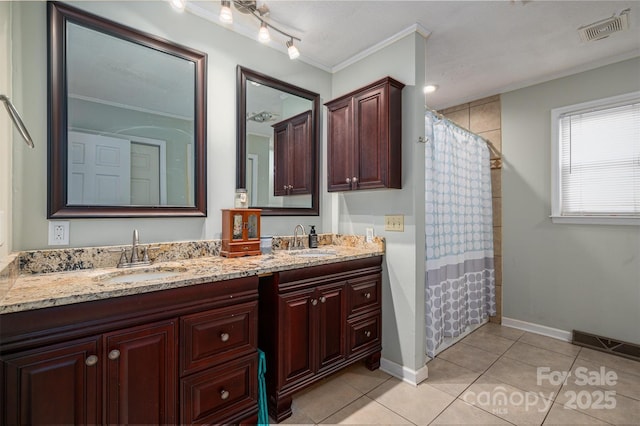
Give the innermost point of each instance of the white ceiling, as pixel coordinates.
(475, 48)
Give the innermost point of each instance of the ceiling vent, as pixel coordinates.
(604, 28)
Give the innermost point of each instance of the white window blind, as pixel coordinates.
(600, 161)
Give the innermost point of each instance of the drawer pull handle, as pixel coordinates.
(314, 302)
(224, 336)
(323, 299)
(224, 394)
(91, 360)
(367, 295)
(114, 354)
(367, 333)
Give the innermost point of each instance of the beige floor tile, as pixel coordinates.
(615, 362)
(522, 376)
(470, 357)
(365, 411)
(507, 402)
(539, 357)
(625, 383)
(418, 404)
(324, 399)
(614, 408)
(550, 344)
(558, 415)
(363, 379)
(449, 377)
(461, 413)
(500, 330)
(488, 342)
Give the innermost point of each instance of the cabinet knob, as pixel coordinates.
(348, 180)
(367, 295)
(224, 394)
(314, 302)
(354, 179)
(290, 187)
(114, 354)
(284, 187)
(367, 333)
(91, 360)
(224, 336)
(323, 299)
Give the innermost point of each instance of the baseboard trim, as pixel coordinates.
(403, 373)
(537, 328)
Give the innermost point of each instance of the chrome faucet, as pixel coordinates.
(297, 244)
(134, 260)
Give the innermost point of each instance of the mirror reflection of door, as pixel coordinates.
(252, 179)
(99, 170)
(108, 170)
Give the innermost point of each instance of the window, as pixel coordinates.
(596, 160)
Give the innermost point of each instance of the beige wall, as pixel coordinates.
(483, 117)
(5, 131)
(583, 277)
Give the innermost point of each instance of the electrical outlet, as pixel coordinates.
(59, 233)
(2, 225)
(369, 237)
(394, 222)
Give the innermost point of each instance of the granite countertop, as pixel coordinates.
(36, 291)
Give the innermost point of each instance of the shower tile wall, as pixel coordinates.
(483, 117)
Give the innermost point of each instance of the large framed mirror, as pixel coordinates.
(127, 121)
(277, 145)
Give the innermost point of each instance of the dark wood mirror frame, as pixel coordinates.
(58, 15)
(244, 74)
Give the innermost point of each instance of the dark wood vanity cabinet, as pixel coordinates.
(186, 355)
(293, 155)
(315, 321)
(364, 133)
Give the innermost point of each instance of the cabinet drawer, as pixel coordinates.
(212, 337)
(364, 333)
(364, 294)
(221, 394)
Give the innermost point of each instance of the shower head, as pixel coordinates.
(15, 117)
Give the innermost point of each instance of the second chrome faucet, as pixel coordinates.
(297, 244)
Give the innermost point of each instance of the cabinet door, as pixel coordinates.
(141, 375)
(55, 385)
(330, 317)
(300, 179)
(296, 349)
(371, 138)
(340, 148)
(281, 159)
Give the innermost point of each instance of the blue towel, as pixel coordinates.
(263, 414)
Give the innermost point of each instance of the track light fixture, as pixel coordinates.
(250, 7)
(225, 12)
(292, 50)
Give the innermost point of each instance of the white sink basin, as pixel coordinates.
(136, 276)
(312, 253)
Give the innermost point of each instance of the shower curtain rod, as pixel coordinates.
(490, 145)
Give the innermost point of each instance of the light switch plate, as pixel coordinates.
(394, 223)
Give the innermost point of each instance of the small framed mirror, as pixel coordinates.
(127, 121)
(277, 145)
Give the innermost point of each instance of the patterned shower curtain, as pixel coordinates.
(460, 279)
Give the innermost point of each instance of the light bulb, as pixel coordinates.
(294, 53)
(225, 12)
(430, 88)
(263, 34)
(178, 4)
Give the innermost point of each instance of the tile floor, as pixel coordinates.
(490, 377)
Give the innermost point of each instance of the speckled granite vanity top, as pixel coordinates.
(41, 290)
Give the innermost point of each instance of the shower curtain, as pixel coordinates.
(460, 276)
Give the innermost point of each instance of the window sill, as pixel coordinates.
(596, 220)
